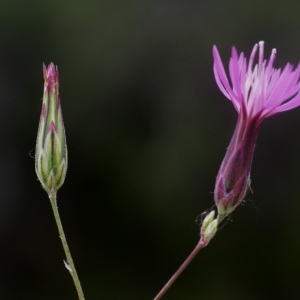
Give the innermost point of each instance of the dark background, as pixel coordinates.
(147, 129)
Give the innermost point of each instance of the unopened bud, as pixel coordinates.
(207, 220)
(209, 228)
(51, 150)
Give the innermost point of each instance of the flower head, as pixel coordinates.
(51, 149)
(257, 91)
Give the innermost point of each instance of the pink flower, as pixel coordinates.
(257, 91)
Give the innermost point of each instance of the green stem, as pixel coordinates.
(69, 264)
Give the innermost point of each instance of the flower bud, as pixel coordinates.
(209, 228)
(51, 150)
(207, 220)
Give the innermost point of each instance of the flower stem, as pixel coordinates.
(69, 264)
(198, 247)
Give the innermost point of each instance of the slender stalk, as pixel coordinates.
(69, 264)
(198, 247)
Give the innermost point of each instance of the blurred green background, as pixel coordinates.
(147, 129)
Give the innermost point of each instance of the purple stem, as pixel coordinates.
(201, 244)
